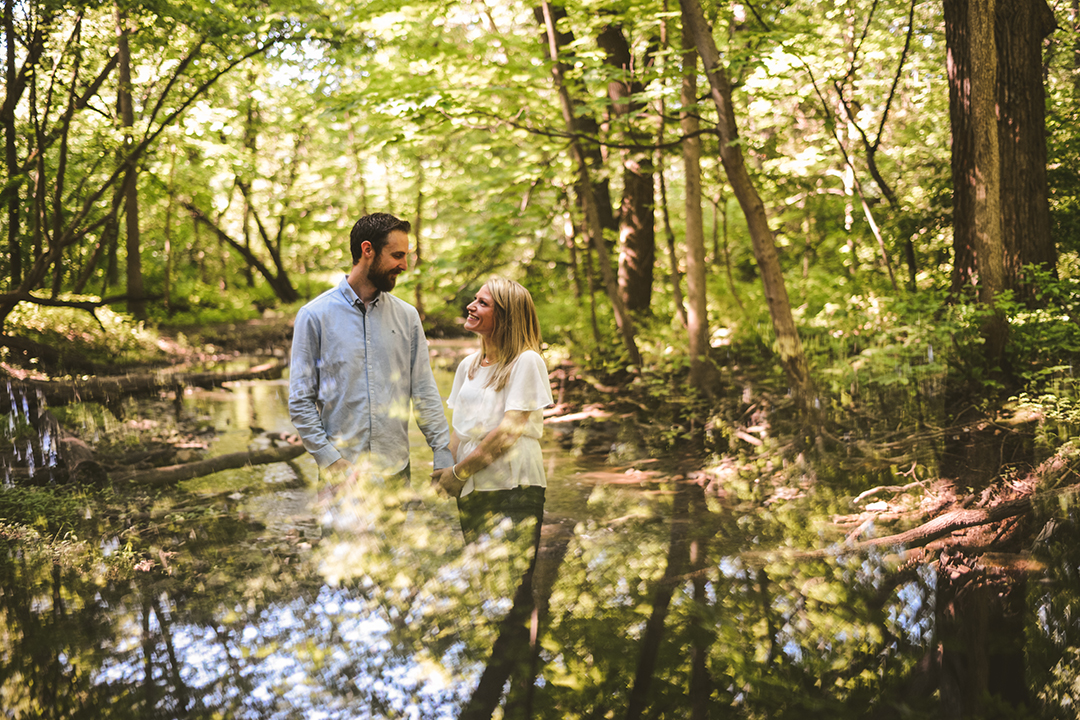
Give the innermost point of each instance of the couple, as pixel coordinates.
(359, 359)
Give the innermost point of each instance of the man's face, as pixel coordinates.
(390, 262)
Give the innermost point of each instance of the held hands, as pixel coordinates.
(446, 483)
(338, 475)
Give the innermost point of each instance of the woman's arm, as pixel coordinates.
(494, 445)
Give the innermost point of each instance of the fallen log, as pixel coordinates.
(177, 473)
(82, 466)
(110, 391)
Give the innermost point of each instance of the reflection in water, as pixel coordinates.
(646, 598)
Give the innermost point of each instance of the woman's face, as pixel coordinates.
(481, 317)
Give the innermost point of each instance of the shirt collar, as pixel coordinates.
(353, 299)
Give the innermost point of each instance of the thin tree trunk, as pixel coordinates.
(13, 89)
(669, 234)
(570, 240)
(702, 378)
(597, 337)
(418, 227)
(1074, 15)
(61, 165)
(792, 357)
(136, 304)
(722, 252)
(356, 168)
(168, 232)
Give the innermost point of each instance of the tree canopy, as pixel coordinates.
(219, 154)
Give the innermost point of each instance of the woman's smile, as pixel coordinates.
(481, 314)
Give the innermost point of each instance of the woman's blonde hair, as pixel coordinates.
(516, 329)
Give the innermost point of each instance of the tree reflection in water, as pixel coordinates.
(647, 598)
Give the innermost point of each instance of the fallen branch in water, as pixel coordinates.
(177, 473)
(110, 391)
(1047, 474)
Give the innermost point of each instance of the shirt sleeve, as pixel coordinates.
(528, 387)
(304, 389)
(427, 403)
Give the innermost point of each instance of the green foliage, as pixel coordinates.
(878, 340)
(49, 511)
(104, 337)
(1045, 338)
(195, 303)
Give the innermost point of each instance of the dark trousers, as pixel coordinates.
(481, 511)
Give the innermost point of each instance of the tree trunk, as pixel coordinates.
(637, 227)
(1017, 104)
(418, 226)
(986, 179)
(584, 121)
(136, 303)
(665, 213)
(201, 468)
(587, 195)
(111, 391)
(12, 92)
(1025, 211)
(789, 345)
(1074, 15)
(701, 375)
(278, 280)
(59, 265)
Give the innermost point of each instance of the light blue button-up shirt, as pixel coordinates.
(352, 379)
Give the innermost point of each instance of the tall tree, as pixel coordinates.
(136, 301)
(1011, 47)
(587, 190)
(697, 316)
(637, 231)
(790, 349)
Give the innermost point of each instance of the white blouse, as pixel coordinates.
(479, 409)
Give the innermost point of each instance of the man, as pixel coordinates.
(359, 357)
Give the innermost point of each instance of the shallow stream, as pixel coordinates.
(655, 593)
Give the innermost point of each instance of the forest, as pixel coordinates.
(795, 253)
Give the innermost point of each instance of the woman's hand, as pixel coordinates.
(445, 483)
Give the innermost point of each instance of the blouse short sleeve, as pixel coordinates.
(528, 387)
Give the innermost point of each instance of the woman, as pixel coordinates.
(497, 399)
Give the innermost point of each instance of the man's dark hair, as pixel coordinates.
(375, 229)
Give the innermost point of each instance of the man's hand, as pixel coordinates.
(445, 483)
(336, 473)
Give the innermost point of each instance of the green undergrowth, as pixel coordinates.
(81, 338)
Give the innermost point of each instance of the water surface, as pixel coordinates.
(656, 592)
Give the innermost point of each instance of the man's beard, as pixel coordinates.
(383, 280)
